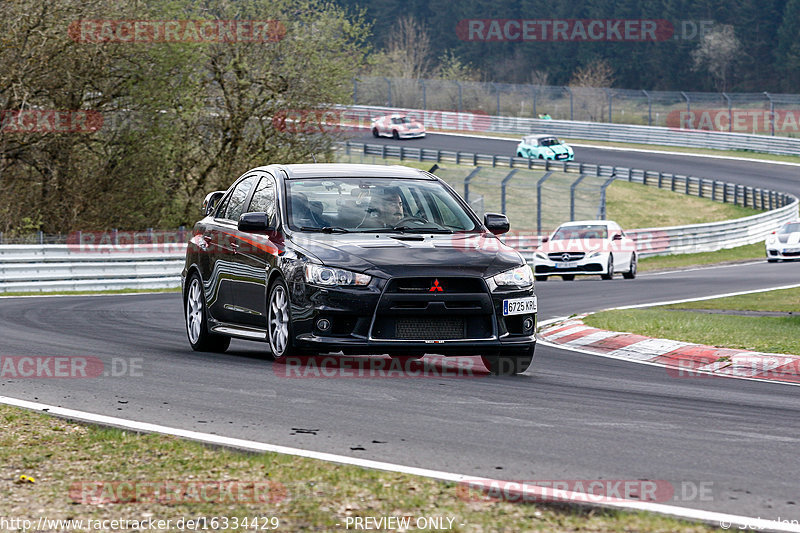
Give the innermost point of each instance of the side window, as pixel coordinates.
(264, 200)
(234, 205)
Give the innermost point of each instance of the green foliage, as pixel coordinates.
(179, 118)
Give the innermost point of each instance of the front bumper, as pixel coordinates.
(783, 252)
(587, 266)
(410, 134)
(465, 320)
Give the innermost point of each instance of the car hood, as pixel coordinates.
(559, 148)
(394, 254)
(789, 238)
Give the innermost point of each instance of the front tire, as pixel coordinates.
(279, 322)
(540, 278)
(375, 132)
(508, 365)
(609, 268)
(568, 277)
(196, 317)
(395, 135)
(631, 273)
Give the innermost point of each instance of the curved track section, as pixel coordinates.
(574, 416)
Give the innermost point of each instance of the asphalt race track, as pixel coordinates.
(572, 417)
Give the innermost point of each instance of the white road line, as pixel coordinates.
(528, 490)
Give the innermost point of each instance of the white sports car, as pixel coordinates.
(784, 243)
(397, 126)
(586, 247)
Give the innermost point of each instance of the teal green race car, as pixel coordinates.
(544, 147)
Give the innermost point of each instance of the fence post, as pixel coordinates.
(503, 190)
(649, 108)
(389, 93)
(355, 91)
(424, 99)
(539, 202)
(572, 196)
(571, 116)
(601, 215)
(533, 89)
(610, 99)
(497, 96)
(771, 114)
(467, 180)
(459, 96)
(730, 112)
(688, 104)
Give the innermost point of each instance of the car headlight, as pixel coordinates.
(517, 277)
(332, 277)
(593, 254)
(540, 255)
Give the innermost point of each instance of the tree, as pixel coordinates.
(588, 86)
(716, 54)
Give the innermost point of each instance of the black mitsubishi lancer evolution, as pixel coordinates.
(357, 259)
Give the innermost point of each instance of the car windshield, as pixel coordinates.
(549, 141)
(401, 120)
(790, 228)
(580, 232)
(338, 205)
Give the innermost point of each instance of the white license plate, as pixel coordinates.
(569, 264)
(519, 306)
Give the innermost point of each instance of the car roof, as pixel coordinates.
(537, 137)
(589, 223)
(351, 170)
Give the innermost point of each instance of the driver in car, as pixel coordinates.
(386, 209)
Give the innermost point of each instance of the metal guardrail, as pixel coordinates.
(54, 267)
(780, 207)
(716, 190)
(74, 267)
(765, 113)
(594, 131)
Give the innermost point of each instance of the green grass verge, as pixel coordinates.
(783, 300)
(750, 252)
(758, 333)
(313, 495)
(659, 208)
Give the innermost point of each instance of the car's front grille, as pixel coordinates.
(562, 156)
(566, 256)
(433, 309)
(791, 254)
(435, 285)
(430, 328)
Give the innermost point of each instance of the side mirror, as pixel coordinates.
(617, 237)
(496, 223)
(210, 202)
(545, 239)
(254, 223)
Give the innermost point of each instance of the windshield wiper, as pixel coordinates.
(325, 229)
(420, 229)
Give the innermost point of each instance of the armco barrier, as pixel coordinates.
(600, 131)
(57, 267)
